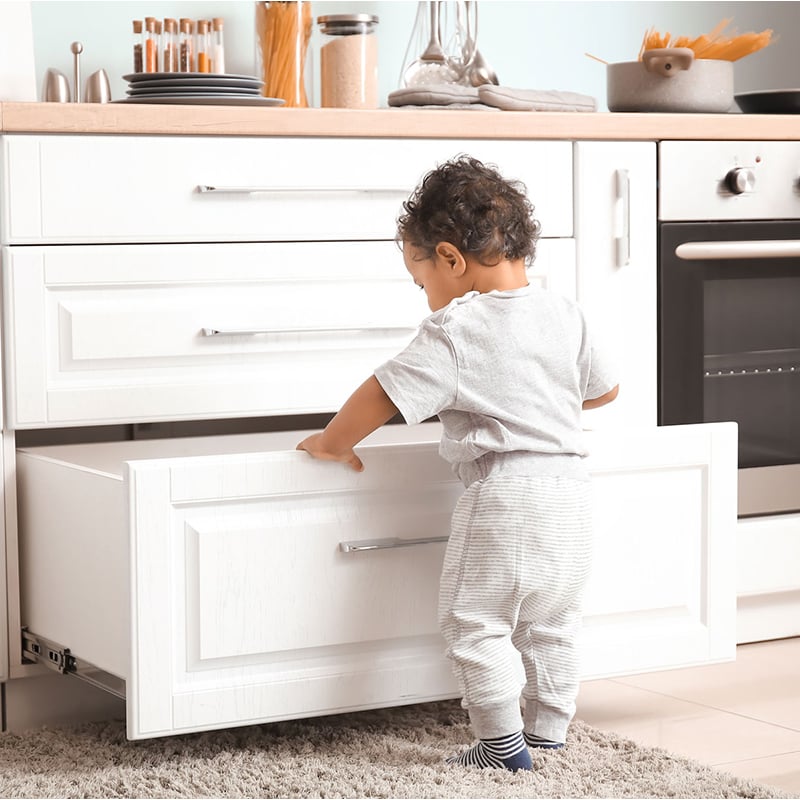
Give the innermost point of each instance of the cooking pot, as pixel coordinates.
(670, 79)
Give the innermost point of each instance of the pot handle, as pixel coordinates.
(668, 61)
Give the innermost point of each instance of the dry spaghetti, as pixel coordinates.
(714, 45)
(284, 31)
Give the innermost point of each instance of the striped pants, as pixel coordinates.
(513, 576)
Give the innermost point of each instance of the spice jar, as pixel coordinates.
(348, 61)
(186, 45)
(151, 45)
(169, 44)
(283, 32)
(138, 47)
(203, 46)
(217, 46)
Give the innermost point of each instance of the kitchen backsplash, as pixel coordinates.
(531, 45)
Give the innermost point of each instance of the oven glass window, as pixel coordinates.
(751, 364)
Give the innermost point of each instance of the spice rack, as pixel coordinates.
(173, 45)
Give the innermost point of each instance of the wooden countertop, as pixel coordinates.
(427, 123)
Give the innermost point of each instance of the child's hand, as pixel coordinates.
(314, 445)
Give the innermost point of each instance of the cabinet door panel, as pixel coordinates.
(199, 331)
(615, 213)
(662, 590)
(252, 589)
(256, 188)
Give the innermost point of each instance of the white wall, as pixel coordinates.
(530, 44)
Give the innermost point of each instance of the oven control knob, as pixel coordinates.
(740, 180)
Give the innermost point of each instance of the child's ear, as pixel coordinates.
(450, 257)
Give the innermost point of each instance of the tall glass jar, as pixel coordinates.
(348, 61)
(283, 32)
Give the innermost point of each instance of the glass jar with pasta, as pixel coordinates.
(283, 32)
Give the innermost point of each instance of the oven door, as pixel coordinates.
(729, 346)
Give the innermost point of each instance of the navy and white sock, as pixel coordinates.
(537, 741)
(505, 752)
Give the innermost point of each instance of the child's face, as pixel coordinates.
(432, 275)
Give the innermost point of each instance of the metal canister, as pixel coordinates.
(348, 61)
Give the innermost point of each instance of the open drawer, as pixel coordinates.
(232, 580)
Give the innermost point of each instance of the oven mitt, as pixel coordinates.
(435, 94)
(534, 99)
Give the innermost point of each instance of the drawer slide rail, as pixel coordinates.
(38, 650)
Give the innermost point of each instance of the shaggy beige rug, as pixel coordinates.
(386, 753)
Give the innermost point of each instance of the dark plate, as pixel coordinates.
(185, 78)
(199, 89)
(205, 100)
(770, 101)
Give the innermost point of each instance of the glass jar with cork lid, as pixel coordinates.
(348, 61)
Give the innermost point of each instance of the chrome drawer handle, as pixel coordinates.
(206, 189)
(263, 331)
(622, 243)
(387, 544)
(767, 248)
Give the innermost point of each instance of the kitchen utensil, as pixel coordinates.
(478, 71)
(770, 101)
(55, 88)
(98, 88)
(77, 49)
(432, 66)
(670, 79)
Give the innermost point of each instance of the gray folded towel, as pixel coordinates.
(489, 96)
(534, 99)
(439, 94)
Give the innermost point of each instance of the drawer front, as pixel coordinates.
(102, 334)
(270, 617)
(187, 189)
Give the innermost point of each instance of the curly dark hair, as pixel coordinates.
(471, 206)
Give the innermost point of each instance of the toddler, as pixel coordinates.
(507, 368)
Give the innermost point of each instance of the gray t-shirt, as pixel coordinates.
(505, 371)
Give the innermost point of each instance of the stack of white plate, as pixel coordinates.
(196, 88)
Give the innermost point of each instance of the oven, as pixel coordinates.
(729, 305)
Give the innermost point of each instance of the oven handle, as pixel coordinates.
(722, 251)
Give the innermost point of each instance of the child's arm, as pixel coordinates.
(596, 402)
(366, 410)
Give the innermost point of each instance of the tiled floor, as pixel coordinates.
(741, 717)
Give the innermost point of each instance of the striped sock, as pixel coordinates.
(537, 741)
(505, 752)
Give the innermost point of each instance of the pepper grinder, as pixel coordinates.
(77, 49)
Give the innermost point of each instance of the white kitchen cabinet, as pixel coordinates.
(615, 222)
(210, 575)
(205, 579)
